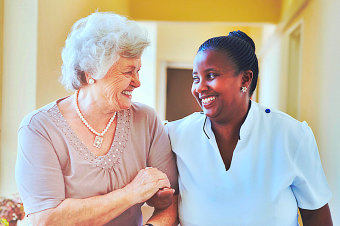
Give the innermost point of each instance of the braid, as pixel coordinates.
(240, 48)
(243, 36)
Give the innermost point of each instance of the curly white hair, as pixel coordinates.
(95, 43)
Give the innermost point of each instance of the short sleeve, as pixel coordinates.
(38, 173)
(160, 154)
(310, 186)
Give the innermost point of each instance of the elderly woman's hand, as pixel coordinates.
(147, 182)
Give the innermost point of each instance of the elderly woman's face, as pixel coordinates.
(216, 86)
(120, 81)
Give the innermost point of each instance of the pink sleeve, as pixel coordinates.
(38, 173)
(160, 153)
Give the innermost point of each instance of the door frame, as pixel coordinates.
(299, 25)
(162, 84)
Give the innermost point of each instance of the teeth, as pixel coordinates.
(127, 92)
(208, 100)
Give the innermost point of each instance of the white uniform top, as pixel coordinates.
(275, 169)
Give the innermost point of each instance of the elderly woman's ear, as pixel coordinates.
(89, 79)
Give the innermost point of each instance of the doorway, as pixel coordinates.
(179, 100)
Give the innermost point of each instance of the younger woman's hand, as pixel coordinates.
(162, 199)
(147, 182)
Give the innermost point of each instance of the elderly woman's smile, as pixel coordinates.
(127, 93)
(120, 81)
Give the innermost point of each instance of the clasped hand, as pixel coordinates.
(153, 186)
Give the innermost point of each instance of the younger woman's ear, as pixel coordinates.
(247, 77)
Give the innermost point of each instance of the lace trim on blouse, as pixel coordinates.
(112, 159)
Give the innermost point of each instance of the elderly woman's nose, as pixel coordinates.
(135, 80)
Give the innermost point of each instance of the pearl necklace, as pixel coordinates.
(98, 140)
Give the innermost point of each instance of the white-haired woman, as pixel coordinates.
(95, 157)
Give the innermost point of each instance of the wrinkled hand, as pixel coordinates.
(162, 199)
(147, 182)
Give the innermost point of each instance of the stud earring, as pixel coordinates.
(91, 81)
(244, 89)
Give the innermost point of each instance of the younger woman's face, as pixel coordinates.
(119, 82)
(216, 85)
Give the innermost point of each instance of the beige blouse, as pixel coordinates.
(53, 164)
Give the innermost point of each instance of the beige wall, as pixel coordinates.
(202, 10)
(178, 42)
(320, 95)
(270, 87)
(18, 81)
(320, 87)
(146, 93)
(1, 58)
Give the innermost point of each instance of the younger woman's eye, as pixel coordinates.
(196, 79)
(212, 75)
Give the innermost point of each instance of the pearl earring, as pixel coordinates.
(244, 89)
(91, 81)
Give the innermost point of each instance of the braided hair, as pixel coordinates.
(240, 49)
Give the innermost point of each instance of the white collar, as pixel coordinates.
(245, 127)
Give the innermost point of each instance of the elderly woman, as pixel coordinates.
(95, 157)
(240, 163)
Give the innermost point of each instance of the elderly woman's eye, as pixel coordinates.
(128, 73)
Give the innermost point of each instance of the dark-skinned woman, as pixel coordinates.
(239, 162)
